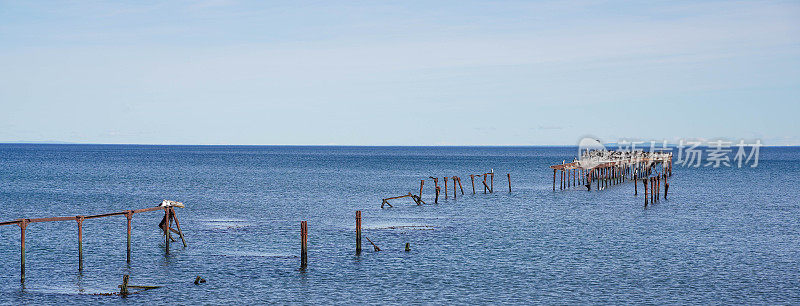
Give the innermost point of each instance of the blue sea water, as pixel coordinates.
(724, 236)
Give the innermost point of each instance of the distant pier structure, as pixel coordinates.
(605, 168)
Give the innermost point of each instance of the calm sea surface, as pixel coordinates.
(725, 235)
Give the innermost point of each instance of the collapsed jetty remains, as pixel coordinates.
(606, 168)
(488, 186)
(166, 226)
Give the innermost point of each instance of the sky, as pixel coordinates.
(398, 73)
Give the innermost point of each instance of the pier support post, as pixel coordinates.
(129, 216)
(23, 225)
(177, 224)
(509, 181)
(421, 183)
(124, 290)
(166, 229)
(554, 180)
(303, 245)
(644, 183)
(358, 232)
(455, 187)
(80, 219)
(445, 187)
(472, 178)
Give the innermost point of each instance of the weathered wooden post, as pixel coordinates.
(486, 187)
(492, 189)
(124, 290)
(129, 216)
(358, 232)
(23, 224)
(461, 187)
(166, 228)
(80, 219)
(455, 188)
(436, 200)
(472, 178)
(509, 181)
(177, 224)
(554, 180)
(635, 186)
(303, 245)
(568, 180)
(421, 183)
(644, 182)
(445, 187)
(666, 186)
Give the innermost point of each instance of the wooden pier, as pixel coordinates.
(169, 216)
(606, 168)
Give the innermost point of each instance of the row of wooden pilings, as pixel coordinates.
(605, 174)
(488, 186)
(655, 187)
(169, 217)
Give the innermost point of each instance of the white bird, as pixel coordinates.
(169, 203)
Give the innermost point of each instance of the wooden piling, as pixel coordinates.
(492, 185)
(472, 178)
(166, 229)
(666, 186)
(635, 187)
(80, 219)
(445, 187)
(23, 224)
(124, 290)
(436, 200)
(461, 187)
(358, 232)
(644, 182)
(509, 181)
(455, 188)
(178, 225)
(421, 183)
(129, 216)
(485, 187)
(554, 179)
(303, 244)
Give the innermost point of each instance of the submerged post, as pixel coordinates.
(509, 181)
(358, 232)
(303, 244)
(80, 242)
(129, 216)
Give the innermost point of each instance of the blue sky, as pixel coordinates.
(398, 73)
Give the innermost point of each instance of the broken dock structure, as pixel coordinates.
(605, 168)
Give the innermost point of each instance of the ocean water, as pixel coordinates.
(724, 236)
